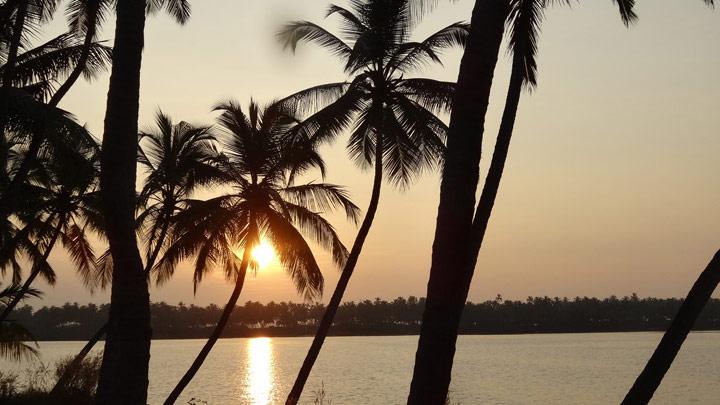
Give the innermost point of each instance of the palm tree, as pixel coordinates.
(459, 233)
(124, 371)
(395, 126)
(85, 18)
(260, 165)
(19, 15)
(13, 336)
(42, 127)
(649, 380)
(177, 158)
(69, 211)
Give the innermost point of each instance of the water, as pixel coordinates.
(522, 369)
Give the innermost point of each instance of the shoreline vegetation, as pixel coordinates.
(378, 317)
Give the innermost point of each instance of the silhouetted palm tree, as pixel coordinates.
(124, 371)
(18, 16)
(260, 164)
(459, 233)
(67, 192)
(13, 336)
(177, 158)
(85, 18)
(41, 128)
(395, 127)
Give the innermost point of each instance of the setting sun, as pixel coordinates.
(263, 254)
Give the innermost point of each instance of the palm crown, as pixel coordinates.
(259, 165)
(394, 116)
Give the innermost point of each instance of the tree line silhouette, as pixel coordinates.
(400, 316)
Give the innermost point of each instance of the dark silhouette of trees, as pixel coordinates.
(459, 233)
(400, 316)
(124, 372)
(260, 161)
(448, 281)
(395, 127)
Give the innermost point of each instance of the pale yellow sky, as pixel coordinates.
(612, 181)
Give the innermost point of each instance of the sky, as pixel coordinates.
(611, 185)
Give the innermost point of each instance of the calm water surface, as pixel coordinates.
(522, 369)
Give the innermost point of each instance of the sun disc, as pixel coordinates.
(263, 254)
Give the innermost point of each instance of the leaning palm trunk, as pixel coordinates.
(75, 74)
(33, 274)
(124, 372)
(15, 40)
(75, 365)
(67, 373)
(655, 369)
(449, 278)
(342, 284)
(497, 164)
(222, 322)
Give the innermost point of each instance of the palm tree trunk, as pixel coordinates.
(103, 329)
(15, 40)
(342, 284)
(649, 380)
(497, 165)
(33, 274)
(222, 322)
(70, 370)
(75, 74)
(124, 372)
(447, 292)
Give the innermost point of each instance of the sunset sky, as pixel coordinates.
(612, 184)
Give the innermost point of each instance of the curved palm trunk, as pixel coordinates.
(70, 370)
(124, 372)
(329, 315)
(497, 165)
(18, 27)
(75, 74)
(103, 329)
(447, 292)
(649, 380)
(224, 317)
(33, 275)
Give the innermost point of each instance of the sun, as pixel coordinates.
(263, 254)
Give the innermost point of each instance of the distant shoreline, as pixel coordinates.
(254, 336)
(399, 317)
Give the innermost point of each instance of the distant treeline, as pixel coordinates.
(379, 317)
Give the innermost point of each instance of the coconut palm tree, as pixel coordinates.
(20, 18)
(459, 233)
(124, 371)
(395, 127)
(177, 159)
(264, 203)
(13, 336)
(85, 18)
(42, 128)
(69, 210)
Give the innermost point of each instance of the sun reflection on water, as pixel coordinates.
(260, 370)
